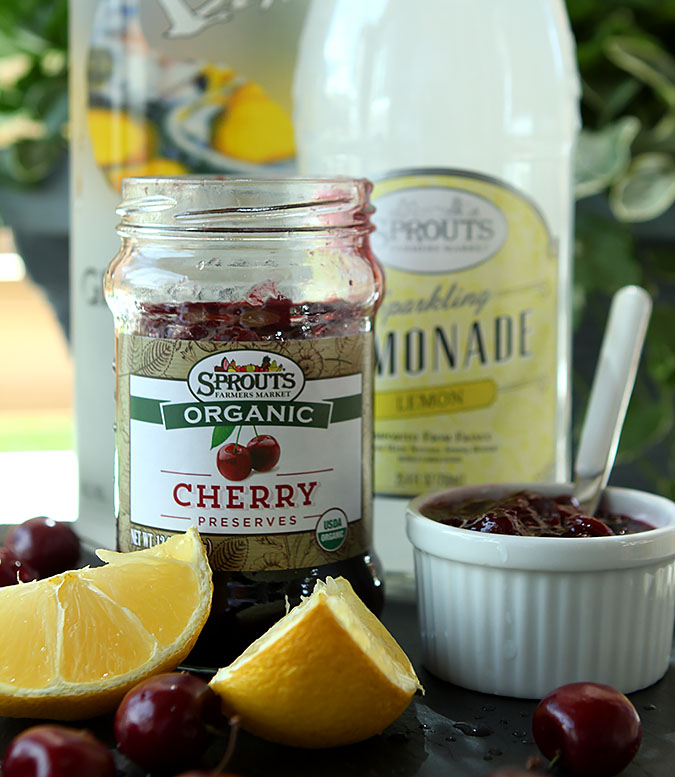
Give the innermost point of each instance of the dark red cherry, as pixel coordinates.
(584, 526)
(164, 720)
(513, 771)
(49, 547)
(264, 451)
(13, 571)
(234, 461)
(494, 522)
(196, 773)
(200, 773)
(595, 729)
(56, 751)
(240, 334)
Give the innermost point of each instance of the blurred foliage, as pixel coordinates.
(627, 145)
(626, 152)
(33, 88)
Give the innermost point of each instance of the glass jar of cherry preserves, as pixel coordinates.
(243, 317)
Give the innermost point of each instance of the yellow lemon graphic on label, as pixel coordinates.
(118, 138)
(253, 127)
(157, 166)
(216, 77)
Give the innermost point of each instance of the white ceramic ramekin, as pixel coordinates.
(519, 616)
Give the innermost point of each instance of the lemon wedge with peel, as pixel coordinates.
(327, 674)
(71, 645)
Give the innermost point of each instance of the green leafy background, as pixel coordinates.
(33, 88)
(625, 226)
(625, 171)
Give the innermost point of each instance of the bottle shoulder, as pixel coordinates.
(464, 74)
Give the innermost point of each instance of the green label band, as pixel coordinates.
(186, 415)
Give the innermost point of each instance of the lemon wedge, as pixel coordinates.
(71, 645)
(327, 674)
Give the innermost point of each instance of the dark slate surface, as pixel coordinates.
(449, 732)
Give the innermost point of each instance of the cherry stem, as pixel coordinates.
(255, 431)
(231, 743)
(236, 442)
(554, 762)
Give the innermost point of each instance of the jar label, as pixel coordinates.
(466, 337)
(264, 447)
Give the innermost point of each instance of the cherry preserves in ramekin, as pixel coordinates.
(519, 616)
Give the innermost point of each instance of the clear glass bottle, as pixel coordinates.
(158, 87)
(464, 113)
(243, 317)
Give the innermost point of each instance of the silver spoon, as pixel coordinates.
(610, 393)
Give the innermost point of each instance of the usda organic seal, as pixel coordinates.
(331, 529)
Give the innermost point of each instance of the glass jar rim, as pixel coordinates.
(216, 204)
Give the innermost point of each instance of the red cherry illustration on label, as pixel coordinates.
(264, 451)
(234, 461)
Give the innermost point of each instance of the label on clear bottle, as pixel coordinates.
(466, 337)
(264, 447)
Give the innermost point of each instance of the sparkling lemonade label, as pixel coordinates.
(261, 446)
(466, 337)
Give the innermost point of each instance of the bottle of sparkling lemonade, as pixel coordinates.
(464, 113)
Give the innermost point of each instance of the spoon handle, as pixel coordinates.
(610, 393)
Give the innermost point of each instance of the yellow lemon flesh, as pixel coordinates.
(326, 674)
(73, 644)
(118, 138)
(254, 128)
